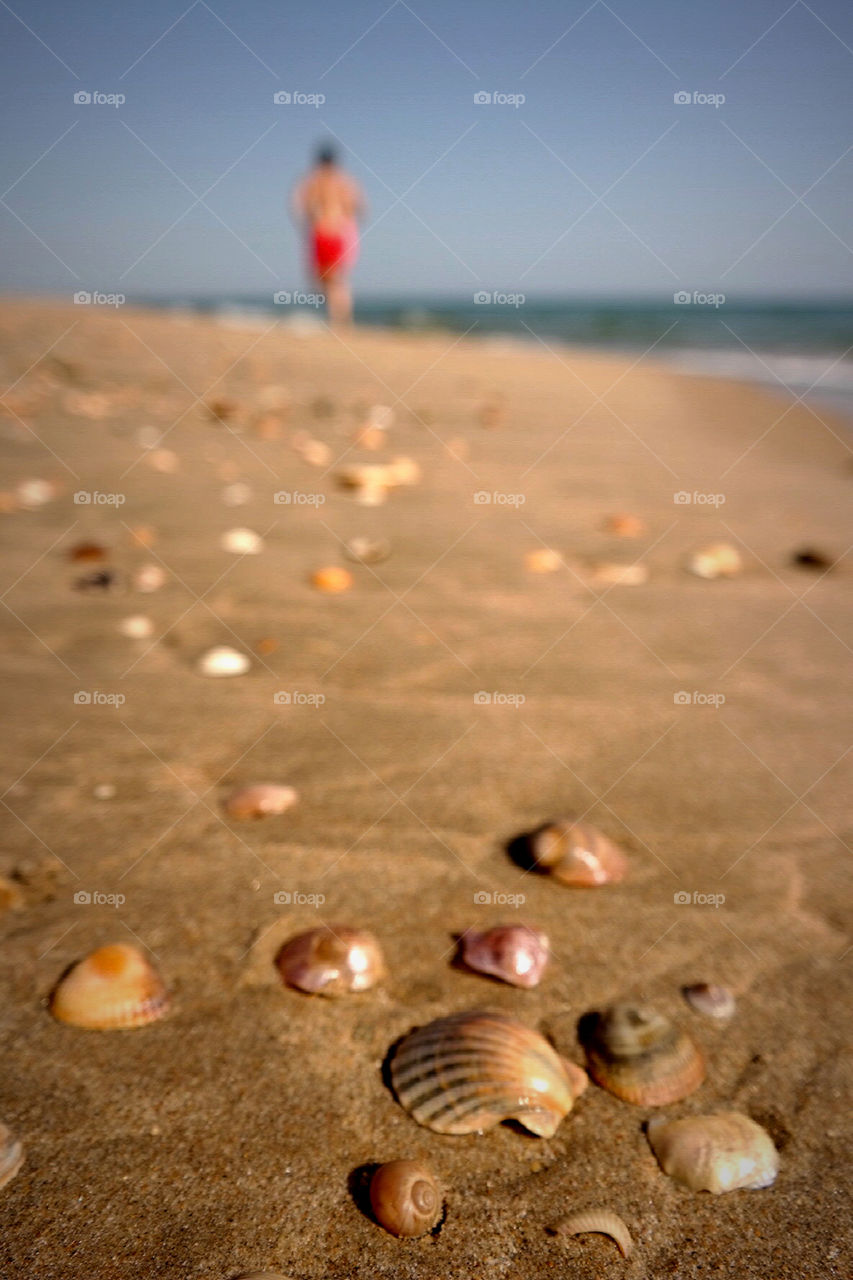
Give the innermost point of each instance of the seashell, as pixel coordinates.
(512, 952)
(716, 1153)
(104, 791)
(260, 801)
(812, 558)
(603, 1222)
(371, 495)
(149, 577)
(625, 526)
(710, 999)
(405, 1198)
(35, 493)
(166, 461)
(402, 471)
(315, 453)
(332, 960)
(113, 988)
(721, 560)
(11, 897)
(470, 1071)
(222, 660)
(242, 542)
(11, 1155)
(87, 551)
(236, 494)
(620, 575)
(368, 550)
(638, 1055)
(543, 560)
(332, 579)
(576, 853)
(137, 626)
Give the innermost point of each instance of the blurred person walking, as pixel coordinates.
(328, 202)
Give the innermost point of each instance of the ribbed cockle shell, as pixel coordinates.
(514, 953)
(332, 960)
(577, 853)
(716, 1153)
(468, 1072)
(115, 987)
(639, 1055)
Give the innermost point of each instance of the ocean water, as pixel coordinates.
(799, 349)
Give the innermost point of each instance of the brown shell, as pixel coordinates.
(405, 1198)
(514, 953)
(114, 988)
(640, 1056)
(468, 1072)
(260, 800)
(716, 1153)
(577, 853)
(332, 960)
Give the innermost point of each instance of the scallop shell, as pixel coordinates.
(708, 998)
(640, 1056)
(468, 1072)
(577, 853)
(332, 579)
(332, 961)
(222, 660)
(514, 953)
(11, 1155)
(405, 1198)
(721, 560)
(262, 800)
(602, 1221)
(113, 988)
(716, 1153)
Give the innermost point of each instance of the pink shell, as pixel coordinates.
(512, 952)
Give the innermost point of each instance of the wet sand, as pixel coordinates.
(229, 1136)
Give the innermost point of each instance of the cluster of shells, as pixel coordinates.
(469, 1071)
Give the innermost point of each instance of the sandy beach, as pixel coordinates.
(448, 701)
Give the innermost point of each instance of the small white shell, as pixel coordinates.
(620, 575)
(150, 577)
(721, 560)
(261, 800)
(603, 1222)
(136, 627)
(35, 493)
(242, 542)
(236, 494)
(708, 998)
(11, 1155)
(716, 1153)
(223, 661)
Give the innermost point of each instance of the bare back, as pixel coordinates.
(327, 198)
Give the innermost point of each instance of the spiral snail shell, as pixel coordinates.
(405, 1198)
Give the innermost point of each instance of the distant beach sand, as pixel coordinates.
(228, 1136)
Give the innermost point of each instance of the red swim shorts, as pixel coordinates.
(333, 251)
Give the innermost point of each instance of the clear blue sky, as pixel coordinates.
(693, 191)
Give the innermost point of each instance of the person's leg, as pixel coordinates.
(338, 300)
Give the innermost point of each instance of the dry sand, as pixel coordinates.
(229, 1136)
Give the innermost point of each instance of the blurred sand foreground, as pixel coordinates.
(228, 1136)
